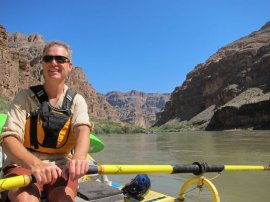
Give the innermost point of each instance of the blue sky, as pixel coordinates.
(146, 45)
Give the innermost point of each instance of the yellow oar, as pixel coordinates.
(195, 168)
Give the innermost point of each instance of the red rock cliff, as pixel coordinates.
(238, 67)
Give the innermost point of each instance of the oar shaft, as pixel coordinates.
(134, 169)
(195, 168)
(245, 168)
(151, 169)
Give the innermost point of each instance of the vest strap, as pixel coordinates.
(33, 131)
(40, 93)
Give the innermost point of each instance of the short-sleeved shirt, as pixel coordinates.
(24, 103)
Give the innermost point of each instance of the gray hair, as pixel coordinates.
(58, 43)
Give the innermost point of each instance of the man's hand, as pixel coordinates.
(75, 168)
(46, 173)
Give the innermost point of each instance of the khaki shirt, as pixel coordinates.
(24, 103)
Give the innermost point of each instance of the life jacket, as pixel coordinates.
(48, 129)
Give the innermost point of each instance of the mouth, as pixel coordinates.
(53, 70)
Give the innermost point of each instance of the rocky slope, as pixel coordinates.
(230, 90)
(137, 107)
(20, 67)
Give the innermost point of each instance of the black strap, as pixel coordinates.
(40, 93)
(33, 129)
(42, 97)
(67, 102)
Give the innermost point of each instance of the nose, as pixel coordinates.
(53, 61)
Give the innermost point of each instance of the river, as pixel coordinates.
(223, 148)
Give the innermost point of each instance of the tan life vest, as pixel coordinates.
(48, 129)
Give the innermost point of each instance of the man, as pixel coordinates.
(34, 140)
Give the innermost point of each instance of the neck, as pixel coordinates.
(54, 91)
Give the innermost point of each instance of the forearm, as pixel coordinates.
(82, 142)
(18, 153)
(78, 165)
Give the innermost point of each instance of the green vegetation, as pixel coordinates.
(4, 104)
(103, 126)
(172, 127)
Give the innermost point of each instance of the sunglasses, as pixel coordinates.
(58, 58)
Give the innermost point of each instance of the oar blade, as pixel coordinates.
(96, 145)
(3, 118)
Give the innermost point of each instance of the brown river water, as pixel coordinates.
(219, 148)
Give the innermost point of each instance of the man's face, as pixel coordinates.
(56, 68)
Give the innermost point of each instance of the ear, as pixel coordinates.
(70, 66)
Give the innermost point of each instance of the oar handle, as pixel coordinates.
(15, 182)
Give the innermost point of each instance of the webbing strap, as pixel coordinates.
(67, 102)
(42, 97)
(33, 130)
(40, 93)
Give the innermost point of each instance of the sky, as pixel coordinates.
(145, 45)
